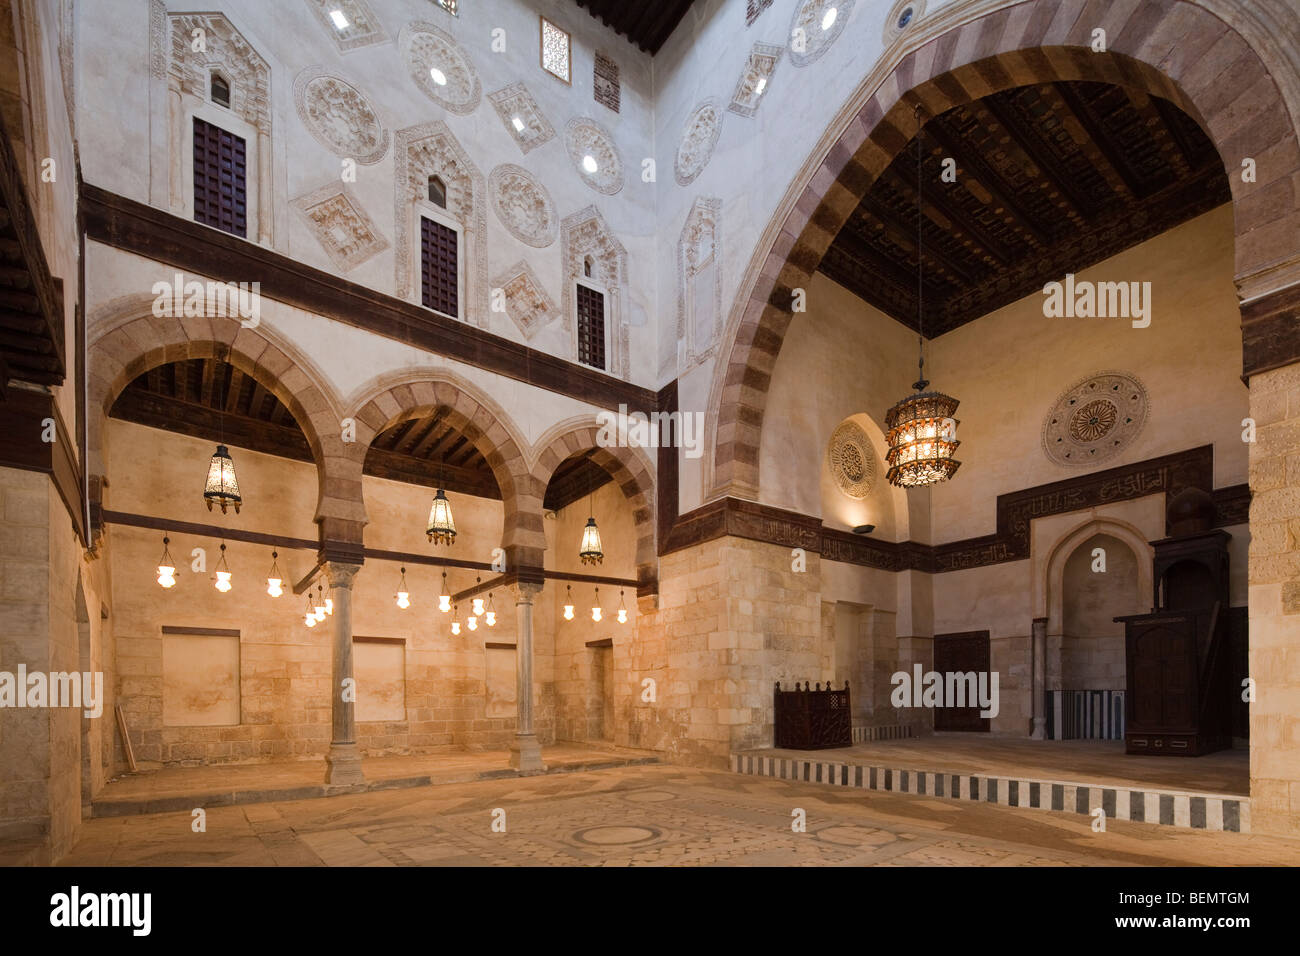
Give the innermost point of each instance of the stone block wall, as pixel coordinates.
(1275, 602)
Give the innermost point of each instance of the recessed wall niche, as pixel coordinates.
(200, 676)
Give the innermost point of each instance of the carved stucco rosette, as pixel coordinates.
(523, 205)
(426, 48)
(699, 137)
(585, 137)
(1095, 419)
(851, 461)
(339, 116)
(808, 39)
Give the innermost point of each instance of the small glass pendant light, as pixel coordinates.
(472, 622)
(166, 566)
(403, 595)
(595, 607)
(319, 611)
(478, 601)
(491, 613)
(455, 620)
(222, 485)
(568, 602)
(622, 609)
(444, 599)
(274, 580)
(309, 618)
(223, 572)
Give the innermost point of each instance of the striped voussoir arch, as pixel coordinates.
(629, 469)
(1196, 811)
(1174, 49)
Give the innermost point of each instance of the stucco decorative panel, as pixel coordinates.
(699, 136)
(1095, 419)
(816, 25)
(339, 116)
(361, 26)
(440, 67)
(588, 142)
(851, 461)
(344, 230)
(525, 300)
(522, 117)
(755, 79)
(523, 205)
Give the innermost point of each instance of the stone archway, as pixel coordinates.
(126, 340)
(627, 466)
(1175, 49)
(419, 392)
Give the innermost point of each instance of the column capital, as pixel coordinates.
(340, 574)
(525, 591)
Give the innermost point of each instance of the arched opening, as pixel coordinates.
(1100, 582)
(584, 504)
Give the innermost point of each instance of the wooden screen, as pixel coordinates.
(591, 327)
(438, 252)
(220, 179)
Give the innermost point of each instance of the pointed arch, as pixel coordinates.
(630, 467)
(1175, 49)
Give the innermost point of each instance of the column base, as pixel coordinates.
(343, 765)
(526, 754)
(1040, 729)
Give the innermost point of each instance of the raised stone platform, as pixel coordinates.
(1069, 776)
(184, 788)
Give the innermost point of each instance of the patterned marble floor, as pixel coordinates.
(648, 816)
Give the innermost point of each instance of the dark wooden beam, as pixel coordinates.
(399, 467)
(1101, 139)
(1037, 152)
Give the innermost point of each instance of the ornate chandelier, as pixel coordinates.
(442, 527)
(922, 433)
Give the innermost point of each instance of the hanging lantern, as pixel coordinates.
(329, 605)
(622, 609)
(491, 613)
(166, 566)
(455, 620)
(471, 622)
(274, 580)
(403, 595)
(595, 608)
(222, 485)
(442, 528)
(568, 602)
(591, 553)
(223, 572)
(478, 601)
(922, 434)
(309, 618)
(922, 439)
(444, 599)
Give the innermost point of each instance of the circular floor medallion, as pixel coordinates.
(616, 835)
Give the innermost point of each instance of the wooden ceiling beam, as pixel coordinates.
(984, 174)
(1037, 152)
(1100, 138)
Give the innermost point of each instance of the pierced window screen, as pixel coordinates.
(591, 327)
(438, 260)
(220, 179)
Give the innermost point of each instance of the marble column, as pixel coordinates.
(1040, 679)
(525, 752)
(343, 763)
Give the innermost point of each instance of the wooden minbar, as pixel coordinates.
(1179, 666)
